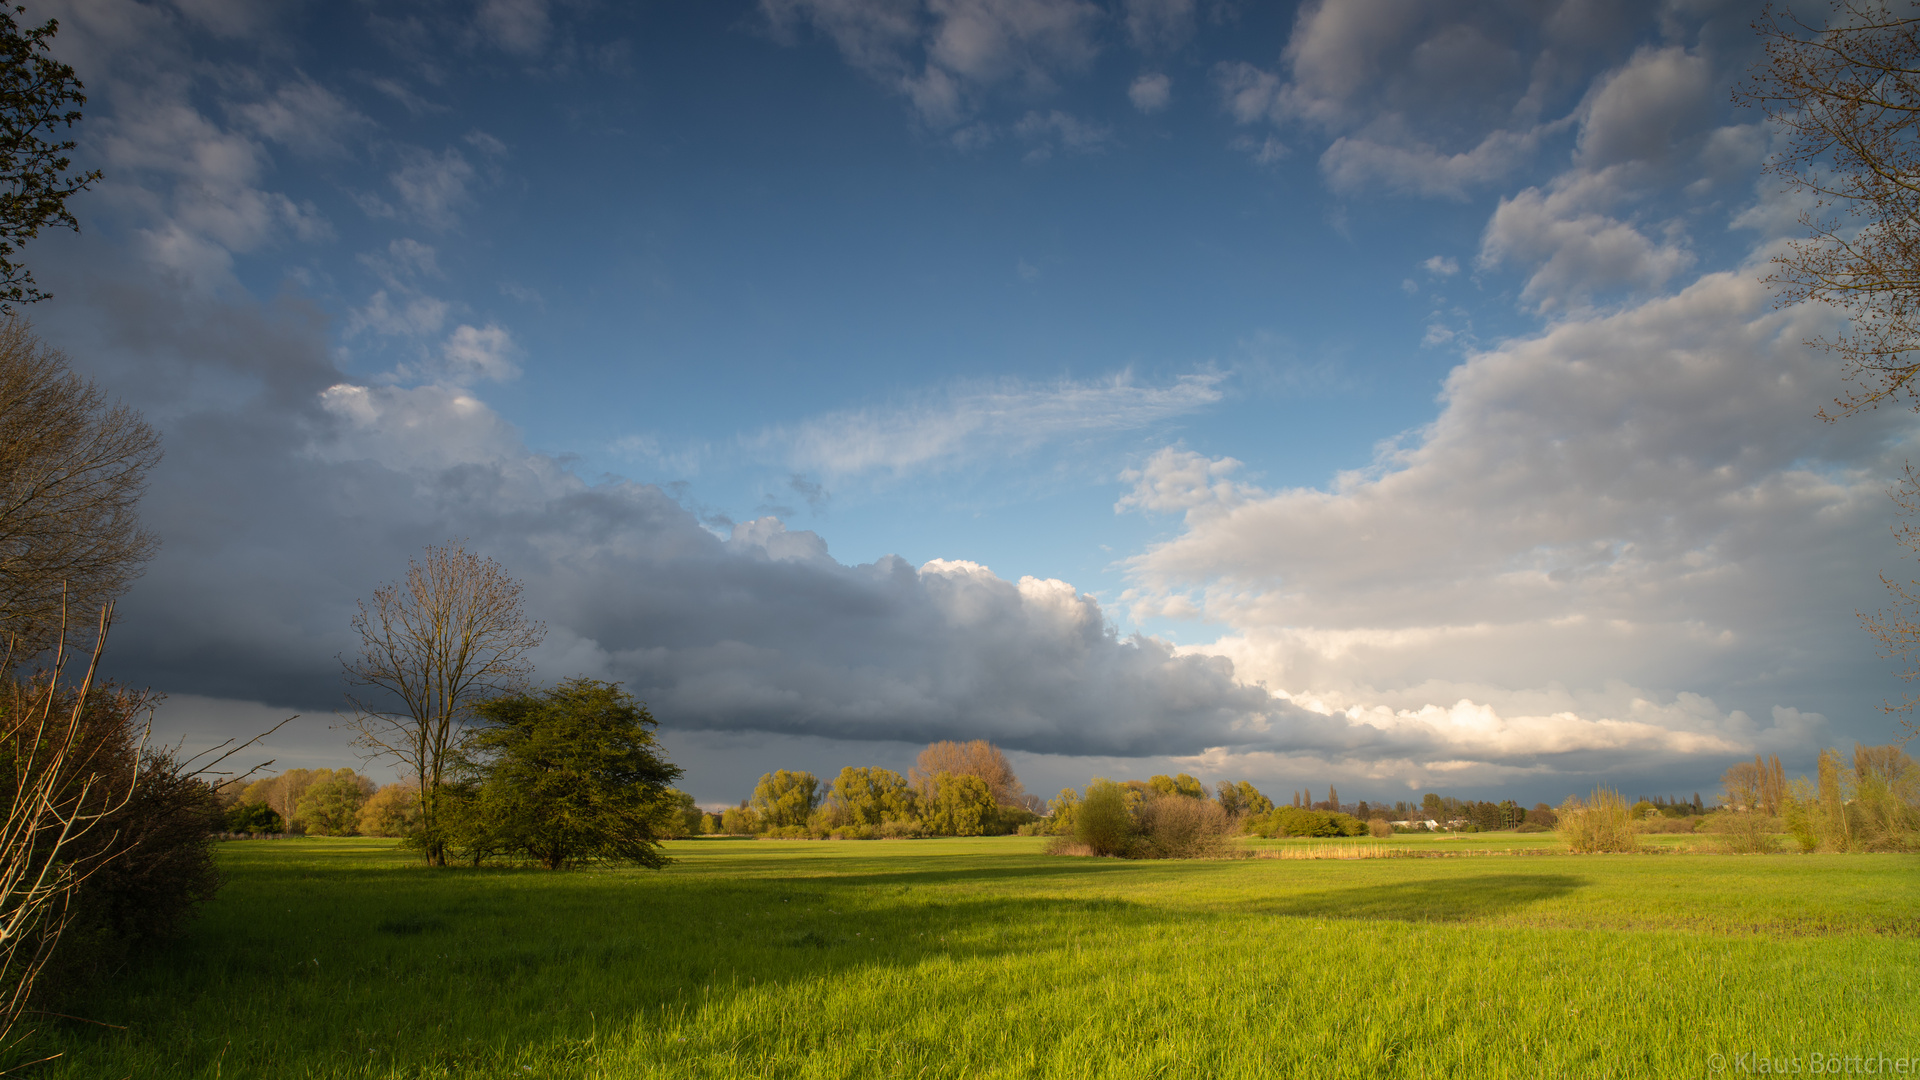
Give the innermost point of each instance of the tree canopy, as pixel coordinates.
(567, 775)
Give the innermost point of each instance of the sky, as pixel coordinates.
(1365, 394)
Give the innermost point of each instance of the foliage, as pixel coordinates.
(785, 800)
(1177, 785)
(1241, 798)
(72, 469)
(330, 805)
(739, 820)
(683, 814)
(37, 94)
(567, 775)
(1603, 823)
(1183, 827)
(253, 817)
(977, 758)
(1102, 821)
(864, 799)
(453, 632)
(1296, 821)
(962, 805)
(393, 810)
(1745, 832)
(1875, 806)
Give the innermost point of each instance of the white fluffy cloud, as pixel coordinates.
(1610, 527)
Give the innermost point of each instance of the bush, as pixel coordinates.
(1379, 828)
(1101, 822)
(1668, 825)
(1179, 826)
(254, 818)
(1296, 821)
(1602, 824)
(1745, 833)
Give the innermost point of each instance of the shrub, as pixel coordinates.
(1667, 825)
(1101, 822)
(1179, 826)
(1746, 833)
(1602, 824)
(254, 818)
(1296, 821)
(1379, 828)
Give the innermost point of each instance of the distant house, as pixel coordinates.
(1415, 823)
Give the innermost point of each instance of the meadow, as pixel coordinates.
(987, 958)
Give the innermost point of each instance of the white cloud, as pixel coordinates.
(433, 186)
(967, 422)
(1441, 266)
(1576, 252)
(946, 55)
(1609, 527)
(515, 26)
(305, 117)
(1150, 92)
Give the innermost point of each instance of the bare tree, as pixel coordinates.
(453, 632)
(1847, 95)
(977, 758)
(58, 794)
(72, 469)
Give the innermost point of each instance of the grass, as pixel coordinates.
(965, 958)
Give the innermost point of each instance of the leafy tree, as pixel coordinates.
(393, 810)
(1102, 820)
(962, 805)
(571, 774)
(430, 647)
(686, 817)
(1251, 799)
(869, 797)
(253, 817)
(37, 94)
(739, 820)
(1298, 821)
(283, 792)
(785, 800)
(331, 805)
(1432, 807)
(1178, 785)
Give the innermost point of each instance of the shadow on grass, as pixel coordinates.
(1444, 900)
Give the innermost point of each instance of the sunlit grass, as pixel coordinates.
(343, 958)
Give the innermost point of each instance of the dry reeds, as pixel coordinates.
(1602, 824)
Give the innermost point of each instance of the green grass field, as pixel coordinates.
(972, 958)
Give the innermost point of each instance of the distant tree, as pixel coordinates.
(453, 632)
(869, 797)
(1363, 811)
(961, 806)
(331, 805)
(977, 758)
(784, 799)
(1432, 807)
(1333, 798)
(72, 470)
(282, 791)
(1101, 820)
(1061, 812)
(683, 815)
(571, 774)
(37, 94)
(253, 817)
(1178, 785)
(1251, 800)
(739, 820)
(390, 811)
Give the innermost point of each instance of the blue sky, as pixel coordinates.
(1359, 393)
